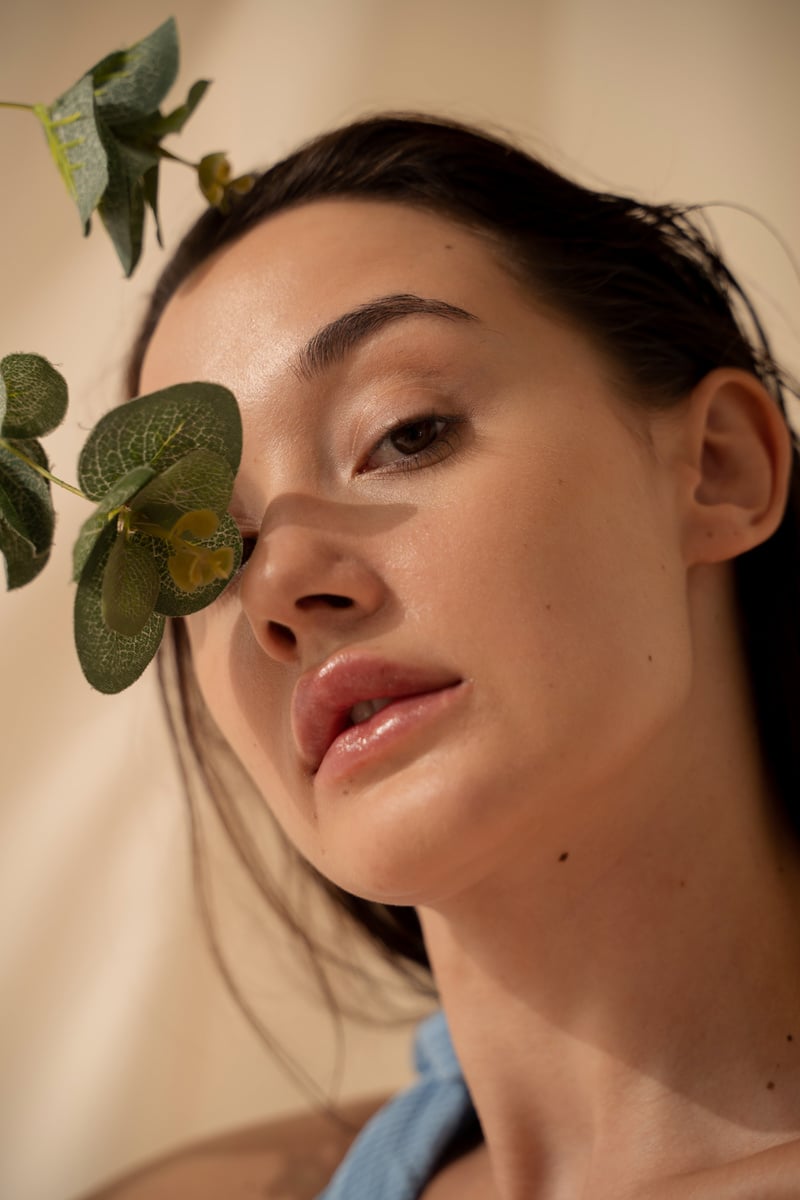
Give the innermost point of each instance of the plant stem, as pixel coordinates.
(12, 449)
(176, 158)
(158, 531)
(16, 104)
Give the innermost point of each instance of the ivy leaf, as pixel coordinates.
(27, 519)
(130, 84)
(70, 127)
(159, 429)
(130, 587)
(33, 396)
(110, 661)
(173, 599)
(122, 491)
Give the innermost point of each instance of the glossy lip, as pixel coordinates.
(324, 696)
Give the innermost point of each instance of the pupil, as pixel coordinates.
(413, 438)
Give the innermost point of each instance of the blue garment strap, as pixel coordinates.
(399, 1149)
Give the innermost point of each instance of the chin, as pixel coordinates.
(410, 838)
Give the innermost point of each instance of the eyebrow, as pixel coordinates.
(334, 341)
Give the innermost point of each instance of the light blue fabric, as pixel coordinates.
(398, 1150)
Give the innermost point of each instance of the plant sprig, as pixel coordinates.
(159, 470)
(160, 542)
(105, 135)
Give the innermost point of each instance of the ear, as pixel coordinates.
(739, 453)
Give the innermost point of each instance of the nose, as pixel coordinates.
(305, 589)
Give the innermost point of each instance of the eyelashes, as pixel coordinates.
(410, 445)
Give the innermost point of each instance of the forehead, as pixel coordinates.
(264, 295)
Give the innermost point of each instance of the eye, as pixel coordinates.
(413, 444)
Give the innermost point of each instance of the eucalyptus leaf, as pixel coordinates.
(27, 520)
(22, 563)
(159, 126)
(122, 207)
(198, 525)
(150, 188)
(72, 134)
(130, 84)
(122, 491)
(159, 429)
(110, 661)
(130, 587)
(199, 480)
(104, 135)
(172, 600)
(33, 396)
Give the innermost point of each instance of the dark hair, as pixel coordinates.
(644, 282)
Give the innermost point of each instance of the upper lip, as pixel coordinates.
(323, 696)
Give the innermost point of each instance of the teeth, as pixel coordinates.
(366, 709)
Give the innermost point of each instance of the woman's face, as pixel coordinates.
(451, 509)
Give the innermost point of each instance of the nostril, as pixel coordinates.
(282, 634)
(324, 598)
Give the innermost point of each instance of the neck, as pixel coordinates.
(625, 1004)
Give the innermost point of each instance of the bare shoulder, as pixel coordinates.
(287, 1159)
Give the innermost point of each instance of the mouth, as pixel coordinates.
(354, 707)
(364, 709)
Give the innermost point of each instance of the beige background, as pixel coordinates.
(116, 1038)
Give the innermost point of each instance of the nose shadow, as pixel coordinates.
(356, 518)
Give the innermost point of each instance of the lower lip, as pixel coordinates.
(368, 743)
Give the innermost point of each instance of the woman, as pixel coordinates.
(515, 645)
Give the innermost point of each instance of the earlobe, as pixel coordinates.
(741, 451)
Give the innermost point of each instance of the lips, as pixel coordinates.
(323, 699)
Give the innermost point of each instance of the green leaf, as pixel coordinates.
(150, 186)
(119, 494)
(130, 84)
(27, 519)
(74, 139)
(33, 396)
(18, 550)
(158, 430)
(197, 525)
(174, 122)
(172, 600)
(199, 480)
(122, 206)
(130, 587)
(110, 661)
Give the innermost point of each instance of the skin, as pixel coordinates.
(608, 893)
(289, 1159)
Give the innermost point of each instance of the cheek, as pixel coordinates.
(565, 592)
(249, 697)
